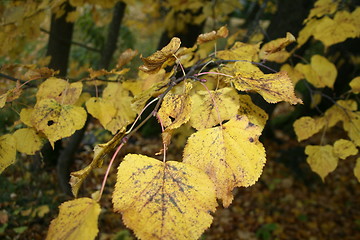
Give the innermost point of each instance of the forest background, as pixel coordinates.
(69, 53)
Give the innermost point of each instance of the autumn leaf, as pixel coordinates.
(7, 151)
(320, 72)
(294, 74)
(351, 126)
(101, 109)
(26, 115)
(205, 113)
(241, 51)
(100, 151)
(231, 155)
(125, 57)
(344, 148)
(254, 113)
(273, 87)
(153, 63)
(321, 159)
(305, 127)
(28, 141)
(78, 219)
(163, 200)
(321, 8)
(275, 50)
(223, 32)
(355, 85)
(59, 90)
(57, 121)
(176, 107)
(357, 169)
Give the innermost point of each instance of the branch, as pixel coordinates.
(74, 42)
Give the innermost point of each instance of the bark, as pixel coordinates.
(60, 41)
(113, 34)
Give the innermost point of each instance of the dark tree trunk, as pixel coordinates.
(112, 37)
(60, 41)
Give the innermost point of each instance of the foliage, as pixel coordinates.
(200, 87)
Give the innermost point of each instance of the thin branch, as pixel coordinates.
(75, 43)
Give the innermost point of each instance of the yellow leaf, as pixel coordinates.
(153, 63)
(28, 141)
(121, 99)
(321, 159)
(78, 219)
(344, 148)
(158, 200)
(3, 98)
(57, 121)
(100, 151)
(294, 74)
(339, 112)
(273, 87)
(307, 32)
(355, 85)
(232, 155)
(357, 169)
(204, 114)
(275, 50)
(321, 8)
(241, 51)
(351, 126)
(176, 107)
(40, 211)
(223, 32)
(331, 31)
(25, 116)
(7, 151)
(101, 109)
(60, 90)
(320, 73)
(125, 57)
(255, 114)
(305, 127)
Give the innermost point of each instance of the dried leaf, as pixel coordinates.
(231, 155)
(125, 57)
(223, 32)
(158, 200)
(153, 63)
(275, 50)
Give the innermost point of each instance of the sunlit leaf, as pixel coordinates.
(158, 200)
(153, 63)
(321, 159)
(231, 155)
(320, 72)
(101, 109)
(275, 49)
(254, 113)
(355, 85)
(60, 90)
(205, 113)
(344, 148)
(78, 219)
(57, 121)
(176, 107)
(305, 127)
(7, 151)
(28, 141)
(241, 51)
(273, 87)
